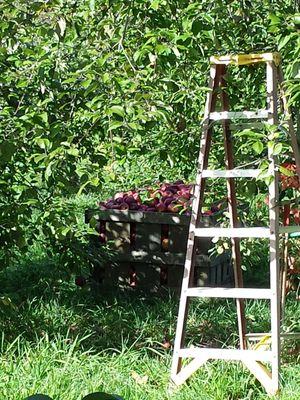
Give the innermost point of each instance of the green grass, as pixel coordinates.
(67, 342)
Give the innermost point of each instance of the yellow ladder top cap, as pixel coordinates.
(246, 59)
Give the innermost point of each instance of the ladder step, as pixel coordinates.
(259, 232)
(246, 59)
(256, 337)
(239, 126)
(226, 354)
(289, 229)
(222, 115)
(231, 173)
(228, 293)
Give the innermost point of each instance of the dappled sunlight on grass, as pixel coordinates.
(68, 341)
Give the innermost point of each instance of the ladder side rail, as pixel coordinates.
(274, 230)
(198, 195)
(232, 207)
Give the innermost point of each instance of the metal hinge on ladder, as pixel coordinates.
(251, 358)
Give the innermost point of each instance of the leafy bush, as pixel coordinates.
(106, 94)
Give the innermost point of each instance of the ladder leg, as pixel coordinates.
(274, 232)
(189, 263)
(284, 270)
(196, 209)
(232, 206)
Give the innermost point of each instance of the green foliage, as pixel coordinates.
(98, 94)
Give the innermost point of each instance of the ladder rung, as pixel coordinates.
(289, 229)
(219, 116)
(229, 293)
(226, 354)
(247, 125)
(258, 232)
(231, 173)
(256, 337)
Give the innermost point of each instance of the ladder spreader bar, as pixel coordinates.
(226, 354)
(229, 293)
(246, 59)
(231, 173)
(258, 232)
(222, 115)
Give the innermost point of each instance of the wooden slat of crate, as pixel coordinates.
(159, 258)
(175, 275)
(148, 276)
(119, 235)
(117, 275)
(221, 269)
(137, 216)
(148, 237)
(111, 274)
(178, 236)
(147, 217)
(227, 270)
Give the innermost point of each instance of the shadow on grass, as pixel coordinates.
(40, 299)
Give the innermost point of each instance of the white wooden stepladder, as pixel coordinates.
(254, 360)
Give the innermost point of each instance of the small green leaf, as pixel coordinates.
(155, 4)
(286, 171)
(220, 249)
(43, 143)
(48, 171)
(73, 151)
(82, 188)
(258, 147)
(275, 20)
(277, 149)
(114, 125)
(119, 110)
(284, 41)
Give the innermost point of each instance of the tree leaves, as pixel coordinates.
(121, 76)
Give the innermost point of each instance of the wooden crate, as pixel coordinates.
(149, 251)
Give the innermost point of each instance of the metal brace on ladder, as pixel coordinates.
(252, 359)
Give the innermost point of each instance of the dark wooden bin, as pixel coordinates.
(149, 251)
